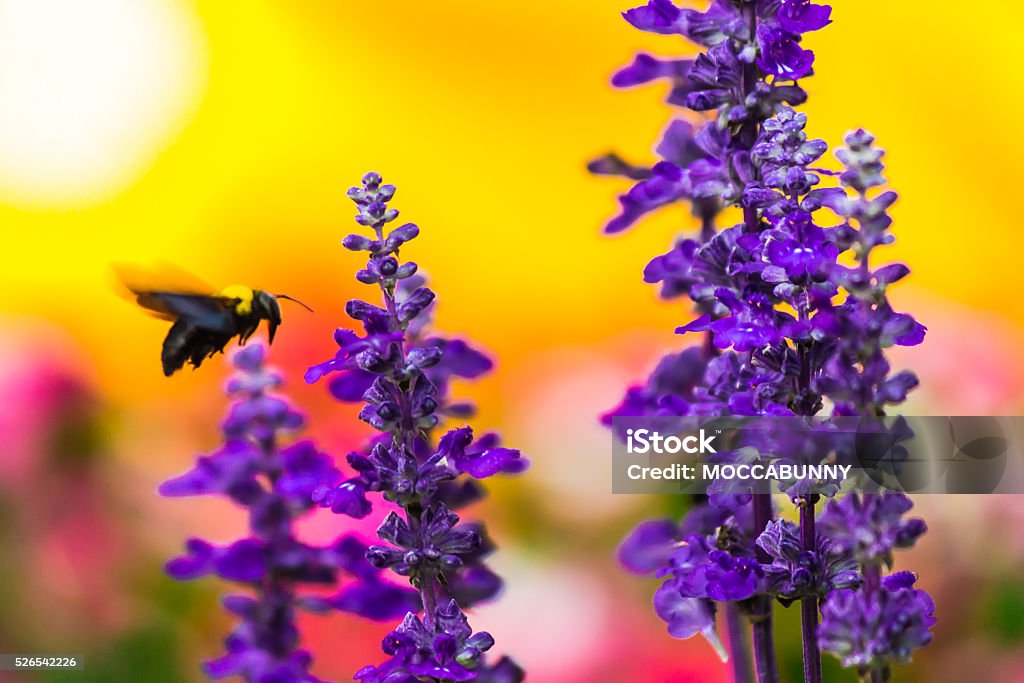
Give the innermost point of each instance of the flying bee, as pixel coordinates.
(202, 322)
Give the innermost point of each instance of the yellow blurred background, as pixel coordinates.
(221, 137)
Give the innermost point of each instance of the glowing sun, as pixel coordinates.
(90, 92)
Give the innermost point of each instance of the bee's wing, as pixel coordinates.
(170, 293)
(159, 277)
(214, 313)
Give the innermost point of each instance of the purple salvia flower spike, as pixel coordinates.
(884, 621)
(788, 327)
(401, 374)
(274, 480)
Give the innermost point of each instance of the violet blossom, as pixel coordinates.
(788, 327)
(273, 478)
(870, 630)
(401, 374)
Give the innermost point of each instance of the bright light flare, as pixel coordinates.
(90, 92)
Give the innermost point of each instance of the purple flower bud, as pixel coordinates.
(415, 303)
(359, 243)
(250, 358)
(406, 270)
(371, 180)
(424, 357)
(400, 236)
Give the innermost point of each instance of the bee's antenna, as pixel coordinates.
(289, 298)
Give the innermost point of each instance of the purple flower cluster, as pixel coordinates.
(880, 624)
(870, 527)
(796, 573)
(274, 481)
(795, 320)
(401, 374)
(870, 630)
(748, 70)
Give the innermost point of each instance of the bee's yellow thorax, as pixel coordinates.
(243, 294)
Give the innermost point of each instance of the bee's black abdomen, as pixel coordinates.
(176, 347)
(187, 343)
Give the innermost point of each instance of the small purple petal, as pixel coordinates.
(649, 546)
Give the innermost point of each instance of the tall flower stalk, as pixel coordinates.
(273, 478)
(882, 623)
(401, 374)
(788, 329)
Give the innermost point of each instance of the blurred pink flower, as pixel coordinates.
(42, 382)
(969, 363)
(68, 538)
